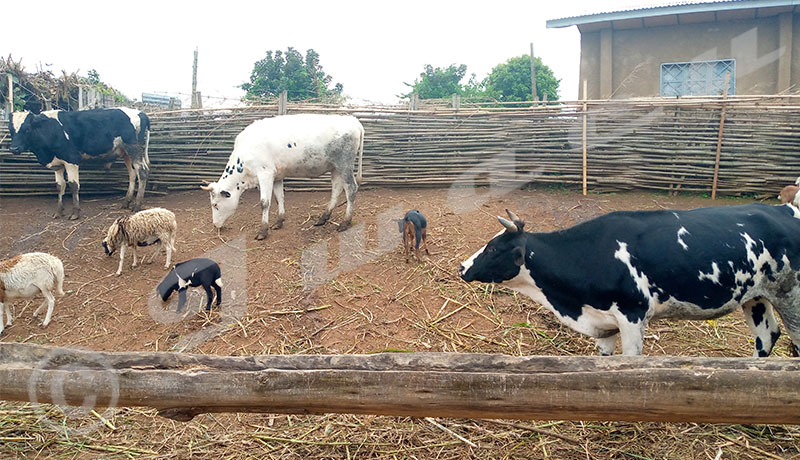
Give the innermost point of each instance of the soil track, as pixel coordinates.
(298, 300)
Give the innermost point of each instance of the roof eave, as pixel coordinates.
(667, 10)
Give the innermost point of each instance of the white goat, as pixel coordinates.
(25, 276)
(151, 226)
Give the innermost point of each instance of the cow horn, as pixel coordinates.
(207, 188)
(510, 226)
(206, 182)
(513, 216)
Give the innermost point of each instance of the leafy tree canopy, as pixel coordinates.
(301, 77)
(511, 81)
(438, 82)
(93, 78)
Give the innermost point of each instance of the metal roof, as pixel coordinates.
(683, 8)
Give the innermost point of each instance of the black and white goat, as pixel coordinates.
(151, 226)
(27, 275)
(192, 273)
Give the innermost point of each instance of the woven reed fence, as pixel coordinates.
(649, 144)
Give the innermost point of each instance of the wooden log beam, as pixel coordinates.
(180, 386)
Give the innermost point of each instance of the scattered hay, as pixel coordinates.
(383, 305)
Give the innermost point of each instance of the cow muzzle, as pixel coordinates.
(462, 272)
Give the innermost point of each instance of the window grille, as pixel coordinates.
(700, 78)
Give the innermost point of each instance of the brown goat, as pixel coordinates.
(415, 232)
(789, 195)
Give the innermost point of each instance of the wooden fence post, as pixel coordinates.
(456, 101)
(534, 93)
(195, 99)
(10, 95)
(413, 102)
(719, 138)
(283, 103)
(585, 165)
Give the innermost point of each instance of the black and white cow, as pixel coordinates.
(609, 276)
(272, 149)
(60, 140)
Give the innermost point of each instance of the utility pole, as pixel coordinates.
(533, 78)
(196, 102)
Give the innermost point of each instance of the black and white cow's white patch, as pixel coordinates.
(60, 140)
(609, 276)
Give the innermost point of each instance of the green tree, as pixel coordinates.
(435, 83)
(93, 78)
(511, 81)
(301, 77)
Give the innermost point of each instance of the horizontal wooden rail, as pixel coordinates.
(180, 386)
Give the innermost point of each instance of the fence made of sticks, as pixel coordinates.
(656, 144)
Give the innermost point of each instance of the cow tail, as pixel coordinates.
(147, 148)
(361, 157)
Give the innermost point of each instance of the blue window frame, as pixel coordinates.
(699, 78)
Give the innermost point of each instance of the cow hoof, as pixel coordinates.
(58, 215)
(322, 219)
(74, 216)
(344, 226)
(126, 205)
(277, 225)
(262, 235)
(137, 207)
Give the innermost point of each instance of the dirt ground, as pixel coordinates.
(310, 289)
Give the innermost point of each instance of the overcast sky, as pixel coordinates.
(371, 47)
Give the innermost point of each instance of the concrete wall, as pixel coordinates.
(637, 55)
(795, 78)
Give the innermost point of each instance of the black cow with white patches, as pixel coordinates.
(192, 273)
(60, 140)
(609, 276)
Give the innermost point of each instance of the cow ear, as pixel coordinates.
(225, 193)
(519, 256)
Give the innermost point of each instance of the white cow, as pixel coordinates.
(272, 149)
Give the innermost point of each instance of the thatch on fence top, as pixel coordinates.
(655, 144)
